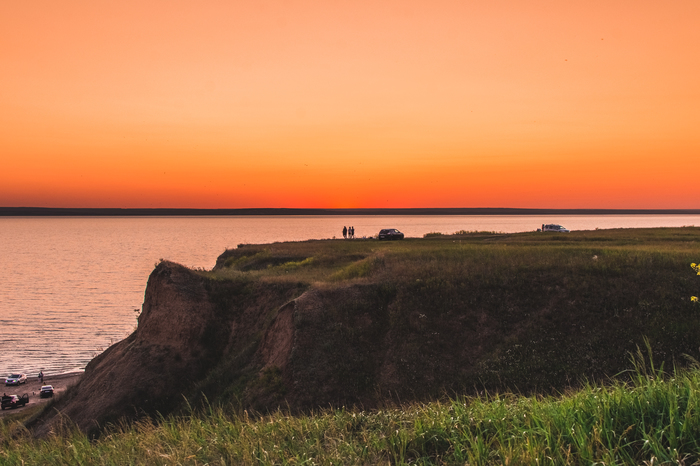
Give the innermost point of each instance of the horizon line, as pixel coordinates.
(255, 211)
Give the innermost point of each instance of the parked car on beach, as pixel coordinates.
(390, 233)
(46, 391)
(14, 401)
(16, 379)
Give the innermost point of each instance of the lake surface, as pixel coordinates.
(69, 285)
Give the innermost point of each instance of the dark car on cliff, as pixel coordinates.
(390, 233)
(46, 391)
(14, 401)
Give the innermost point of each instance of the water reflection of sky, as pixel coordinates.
(69, 286)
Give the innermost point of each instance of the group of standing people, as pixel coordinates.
(348, 232)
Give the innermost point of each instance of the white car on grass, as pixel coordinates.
(554, 227)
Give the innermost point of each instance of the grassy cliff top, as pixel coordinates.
(334, 260)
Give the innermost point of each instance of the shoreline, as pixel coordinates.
(60, 383)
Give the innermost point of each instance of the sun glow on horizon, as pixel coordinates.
(350, 104)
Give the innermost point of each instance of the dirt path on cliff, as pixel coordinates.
(60, 383)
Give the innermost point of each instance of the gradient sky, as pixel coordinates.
(228, 104)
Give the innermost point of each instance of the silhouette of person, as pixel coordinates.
(352, 232)
(345, 232)
(41, 376)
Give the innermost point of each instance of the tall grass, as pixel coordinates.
(650, 419)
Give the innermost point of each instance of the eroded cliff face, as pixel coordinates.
(266, 344)
(188, 325)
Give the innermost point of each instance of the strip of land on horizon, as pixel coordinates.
(118, 212)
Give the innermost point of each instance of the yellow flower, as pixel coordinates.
(694, 299)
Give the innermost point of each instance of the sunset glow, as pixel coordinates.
(233, 104)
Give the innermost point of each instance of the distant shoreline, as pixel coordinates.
(158, 212)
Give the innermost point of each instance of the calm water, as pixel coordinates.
(69, 286)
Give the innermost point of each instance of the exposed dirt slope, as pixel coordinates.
(185, 329)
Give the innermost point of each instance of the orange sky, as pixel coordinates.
(226, 104)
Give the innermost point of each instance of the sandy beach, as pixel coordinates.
(60, 383)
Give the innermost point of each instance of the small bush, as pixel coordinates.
(476, 232)
(292, 265)
(360, 269)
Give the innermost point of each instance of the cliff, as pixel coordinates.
(185, 329)
(330, 323)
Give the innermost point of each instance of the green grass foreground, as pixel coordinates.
(650, 419)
